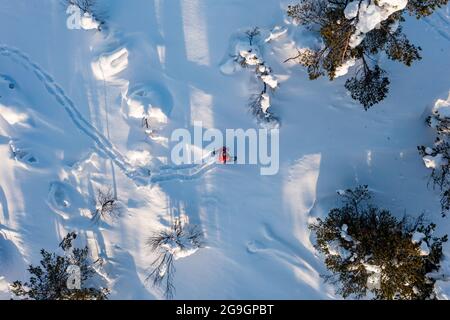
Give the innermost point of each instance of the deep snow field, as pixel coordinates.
(70, 123)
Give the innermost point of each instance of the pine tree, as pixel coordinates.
(370, 88)
(369, 251)
(343, 42)
(49, 281)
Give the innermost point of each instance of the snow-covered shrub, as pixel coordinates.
(354, 34)
(248, 56)
(437, 157)
(86, 6)
(91, 17)
(181, 241)
(107, 206)
(49, 281)
(372, 253)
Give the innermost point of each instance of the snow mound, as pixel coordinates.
(180, 252)
(108, 66)
(276, 33)
(442, 108)
(419, 238)
(139, 158)
(435, 162)
(12, 116)
(151, 102)
(88, 22)
(270, 80)
(11, 260)
(4, 289)
(343, 69)
(369, 14)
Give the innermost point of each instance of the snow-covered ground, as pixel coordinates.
(70, 122)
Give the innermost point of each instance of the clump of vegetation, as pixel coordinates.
(61, 277)
(88, 8)
(371, 252)
(249, 56)
(107, 206)
(180, 241)
(351, 39)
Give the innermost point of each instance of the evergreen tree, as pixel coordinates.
(369, 251)
(50, 280)
(370, 88)
(347, 42)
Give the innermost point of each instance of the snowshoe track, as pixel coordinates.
(183, 172)
(104, 146)
(102, 143)
(440, 22)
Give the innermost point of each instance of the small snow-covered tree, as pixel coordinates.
(169, 245)
(369, 251)
(248, 55)
(107, 206)
(353, 34)
(86, 6)
(91, 15)
(50, 280)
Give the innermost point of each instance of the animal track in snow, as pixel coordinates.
(141, 176)
(102, 143)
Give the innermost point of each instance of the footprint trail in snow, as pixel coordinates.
(139, 175)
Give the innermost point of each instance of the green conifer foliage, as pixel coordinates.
(370, 252)
(328, 20)
(49, 280)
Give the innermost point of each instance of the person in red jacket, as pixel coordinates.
(224, 156)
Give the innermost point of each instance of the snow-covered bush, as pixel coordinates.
(90, 15)
(437, 157)
(372, 253)
(86, 6)
(50, 280)
(248, 56)
(354, 34)
(107, 206)
(181, 241)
